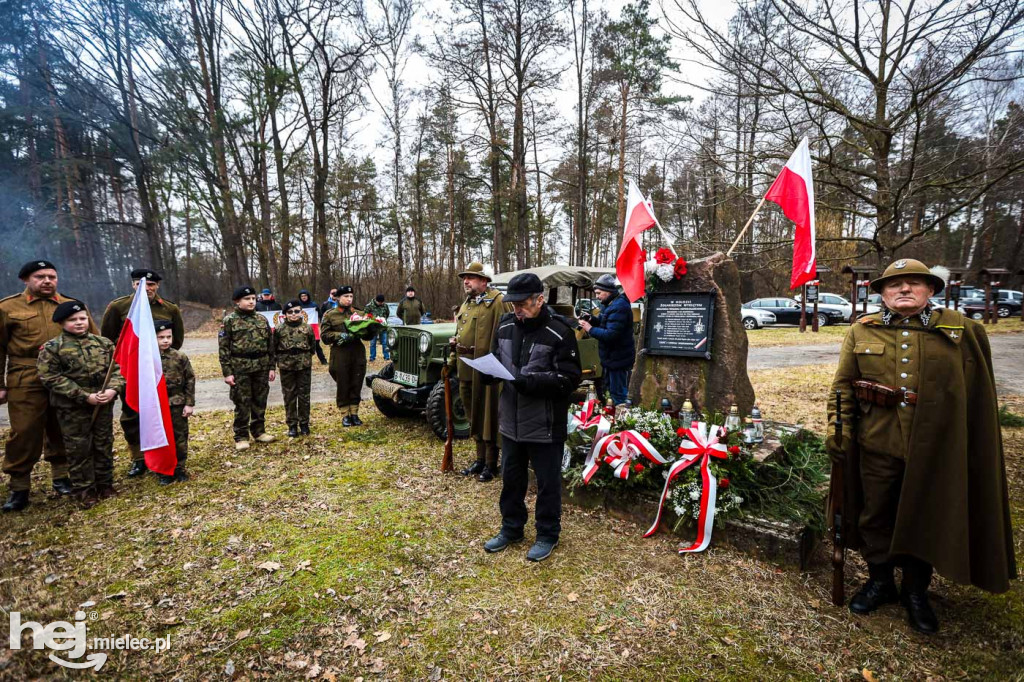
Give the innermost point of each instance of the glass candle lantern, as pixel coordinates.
(749, 432)
(686, 414)
(732, 422)
(755, 416)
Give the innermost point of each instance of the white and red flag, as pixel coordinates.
(145, 391)
(793, 191)
(629, 265)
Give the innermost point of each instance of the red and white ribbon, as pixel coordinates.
(699, 445)
(590, 416)
(619, 450)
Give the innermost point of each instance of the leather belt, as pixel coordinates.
(464, 350)
(249, 356)
(877, 393)
(293, 351)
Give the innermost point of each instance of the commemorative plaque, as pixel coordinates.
(679, 324)
(812, 292)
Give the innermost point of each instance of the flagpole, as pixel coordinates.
(744, 230)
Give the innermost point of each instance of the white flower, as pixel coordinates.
(695, 495)
(664, 474)
(666, 272)
(737, 499)
(650, 266)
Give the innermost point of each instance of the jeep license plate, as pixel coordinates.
(406, 378)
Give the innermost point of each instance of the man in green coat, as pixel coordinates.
(916, 383)
(110, 327)
(411, 308)
(348, 356)
(247, 361)
(475, 323)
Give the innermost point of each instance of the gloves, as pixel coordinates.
(521, 384)
(343, 338)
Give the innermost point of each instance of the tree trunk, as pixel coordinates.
(624, 101)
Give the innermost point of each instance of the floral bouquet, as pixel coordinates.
(665, 266)
(365, 326)
(627, 454)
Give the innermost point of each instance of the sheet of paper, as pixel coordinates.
(489, 364)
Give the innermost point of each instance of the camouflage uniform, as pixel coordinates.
(25, 325)
(348, 358)
(71, 367)
(110, 327)
(181, 391)
(294, 344)
(247, 352)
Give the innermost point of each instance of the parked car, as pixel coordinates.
(410, 385)
(975, 308)
(755, 318)
(837, 302)
(787, 311)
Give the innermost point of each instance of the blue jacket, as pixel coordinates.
(613, 330)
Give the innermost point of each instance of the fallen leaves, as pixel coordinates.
(270, 566)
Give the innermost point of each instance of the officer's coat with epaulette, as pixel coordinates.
(953, 509)
(476, 321)
(161, 308)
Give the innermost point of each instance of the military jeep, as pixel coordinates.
(410, 385)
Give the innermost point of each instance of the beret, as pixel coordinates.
(341, 291)
(241, 292)
(162, 325)
(294, 303)
(67, 309)
(32, 266)
(151, 275)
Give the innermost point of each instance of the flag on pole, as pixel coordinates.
(793, 191)
(145, 391)
(629, 265)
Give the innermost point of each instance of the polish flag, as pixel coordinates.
(793, 191)
(629, 265)
(145, 392)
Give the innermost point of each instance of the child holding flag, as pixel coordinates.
(294, 344)
(181, 395)
(74, 368)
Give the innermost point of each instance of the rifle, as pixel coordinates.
(837, 484)
(446, 462)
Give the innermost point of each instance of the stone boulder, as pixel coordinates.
(712, 384)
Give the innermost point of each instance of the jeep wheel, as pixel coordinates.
(977, 315)
(749, 323)
(436, 416)
(387, 407)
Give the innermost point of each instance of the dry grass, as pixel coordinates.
(769, 337)
(381, 572)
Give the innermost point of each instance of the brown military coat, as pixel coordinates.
(954, 509)
(26, 323)
(162, 309)
(475, 324)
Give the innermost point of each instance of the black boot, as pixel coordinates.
(180, 474)
(917, 575)
(346, 420)
(879, 590)
(62, 486)
(474, 468)
(16, 501)
(356, 421)
(293, 432)
(164, 479)
(138, 468)
(304, 429)
(486, 475)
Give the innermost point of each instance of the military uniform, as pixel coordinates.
(72, 367)
(348, 358)
(25, 325)
(113, 320)
(918, 400)
(294, 345)
(181, 391)
(410, 310)
(476, 321)
(246, 350)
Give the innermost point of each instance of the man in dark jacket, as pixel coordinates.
(411, 308)
(266, 302)
(613, 330)
(539, 349)
(306, 299)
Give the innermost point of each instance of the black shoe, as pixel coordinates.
(541, 550)
(500, 542)
(485, 475)
(347, 421)
(473, 469)
(919, 612)
(293, 432)
(138, 468)
(180, 474)
(304, 429)
(105, 492)
(356, 421)
(164, 479)
(62, 486)
(873, 595)
(16, 501)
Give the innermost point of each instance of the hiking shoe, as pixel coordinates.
(873, 595)
(265, 438)
(500, 542)
(241, 445)
(541, 550)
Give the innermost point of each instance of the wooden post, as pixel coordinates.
(988, 301)
(814, 318)
(803, 308)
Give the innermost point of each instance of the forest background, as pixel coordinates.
(309, 143)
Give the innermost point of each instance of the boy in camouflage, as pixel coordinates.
(181, 394)
(73, 367)
(294, 345)
(246, 350)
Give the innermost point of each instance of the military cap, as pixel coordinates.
(522, 287)
(380, 298)
(907, 267)
(410, 288)
(151, 275)
(478, 269)
(341, 291)
(606, 282)
(163, 325)
(33, 266)
(294, 303)
(241, 292)
(67, 309)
